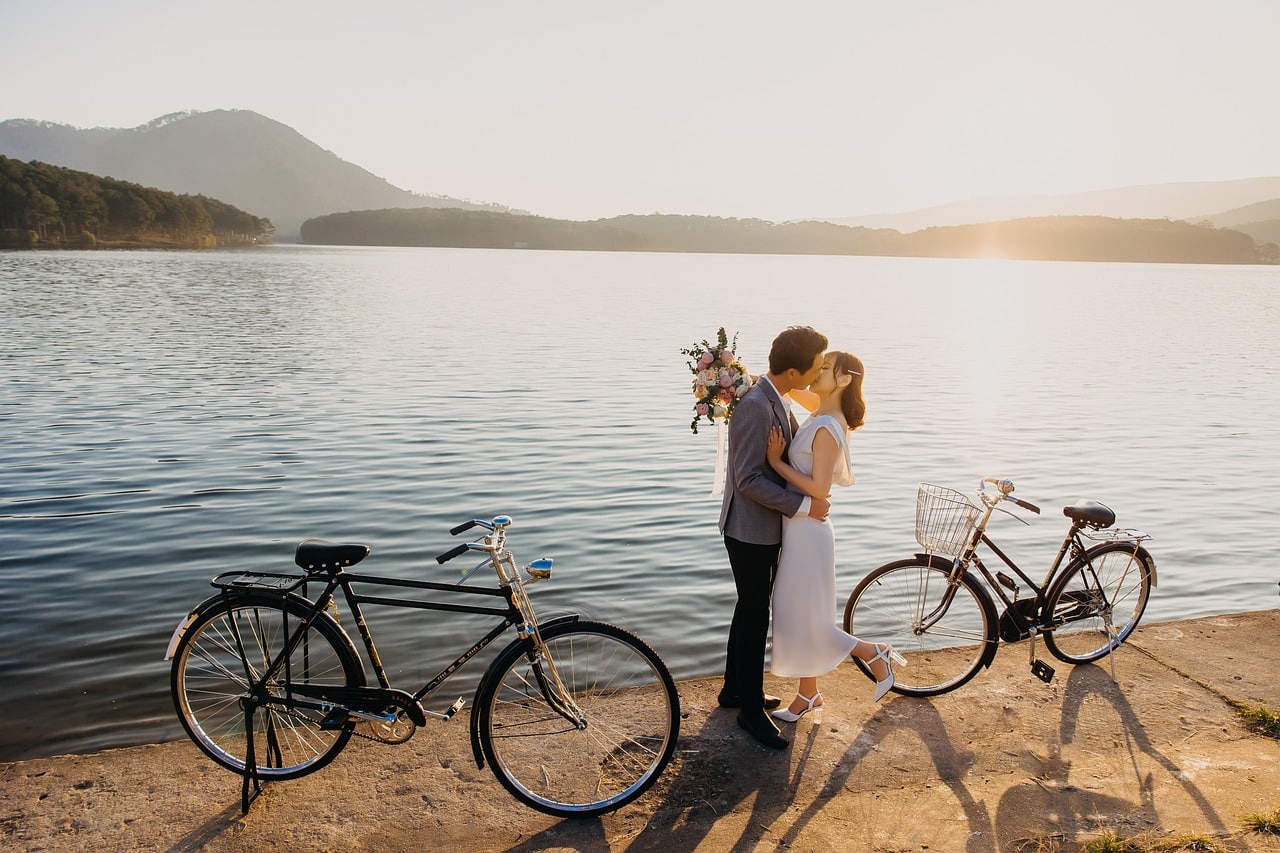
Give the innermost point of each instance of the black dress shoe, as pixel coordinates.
(729, 700)
(762, 729)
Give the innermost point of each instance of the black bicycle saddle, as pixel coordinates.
(319, 555)
(1091, 513)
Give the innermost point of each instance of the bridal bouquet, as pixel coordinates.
(719, 379)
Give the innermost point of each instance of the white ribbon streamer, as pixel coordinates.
(722, 438)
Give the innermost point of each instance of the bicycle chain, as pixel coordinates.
(356, 729)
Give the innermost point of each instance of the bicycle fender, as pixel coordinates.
(1151, 561)
(185, 623)
(489, 675)
(218, 598)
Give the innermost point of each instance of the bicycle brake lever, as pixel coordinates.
(1011, 515)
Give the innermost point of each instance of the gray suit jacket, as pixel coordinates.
(755, 496)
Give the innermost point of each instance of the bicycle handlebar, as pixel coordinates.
(499, 524)
(452, 552)
(1005, 486)
(1024, 504)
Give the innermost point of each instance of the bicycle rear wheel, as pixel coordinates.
(210, 676)
(1098, 601)
(946, 632)
(629, 724)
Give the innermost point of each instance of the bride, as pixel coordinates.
(806, 641)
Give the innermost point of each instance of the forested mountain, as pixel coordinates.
(1069, 238)
(1191, 201)
(52, 206)
(239, 156)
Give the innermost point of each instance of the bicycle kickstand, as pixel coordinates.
(1115, 647)
(250, 760)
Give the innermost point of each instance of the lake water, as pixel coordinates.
(170, 415)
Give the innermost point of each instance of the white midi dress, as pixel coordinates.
(807, 641)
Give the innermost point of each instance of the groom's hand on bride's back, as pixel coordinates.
(818, 508)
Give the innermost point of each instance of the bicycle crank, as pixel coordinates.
(369, 700)
(398, 730)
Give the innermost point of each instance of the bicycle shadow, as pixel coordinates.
(1061, 805)
(209, 831)
(715, 772)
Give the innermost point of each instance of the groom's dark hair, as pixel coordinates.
(796, 347)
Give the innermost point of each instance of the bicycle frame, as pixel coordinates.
(513, 614)
(1026, 616)
(372, 703)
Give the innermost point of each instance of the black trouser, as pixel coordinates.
(753, 571)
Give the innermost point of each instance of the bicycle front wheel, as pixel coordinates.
(568, 765)
(226, 649)
(946, 631)
(1098, 601)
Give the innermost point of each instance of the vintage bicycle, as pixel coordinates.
(937, 608)
(574, 717)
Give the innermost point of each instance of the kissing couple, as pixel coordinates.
(774, 523)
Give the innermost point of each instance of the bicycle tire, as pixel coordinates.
(630, 707)
(1108, 582)
(890, 604)
(208, 679)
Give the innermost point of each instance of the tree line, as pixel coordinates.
(1064, 238)
(52, 206)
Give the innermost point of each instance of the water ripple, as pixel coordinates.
(169, 414)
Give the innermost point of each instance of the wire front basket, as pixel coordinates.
(944, 519)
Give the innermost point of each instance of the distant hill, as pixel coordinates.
(1067, 238)
(1260, 221)
(238, 156)
(1188, 200)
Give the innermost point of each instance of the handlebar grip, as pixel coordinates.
(466, 525)
(452, 552)
(1024, 504)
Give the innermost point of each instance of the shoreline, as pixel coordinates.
(1004, 760)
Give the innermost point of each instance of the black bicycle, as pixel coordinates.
(574, 717)
(935, 608)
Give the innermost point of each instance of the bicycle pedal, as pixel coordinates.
(1042, 671)
(334, 720)
(454, 708)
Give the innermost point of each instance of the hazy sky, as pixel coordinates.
(721, 107)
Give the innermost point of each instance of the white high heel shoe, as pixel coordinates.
(885, 652)
(785, 714)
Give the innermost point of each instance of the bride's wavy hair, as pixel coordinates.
(851, 401)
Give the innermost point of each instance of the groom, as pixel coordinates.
(755, 500)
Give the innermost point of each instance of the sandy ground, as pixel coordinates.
(1005, 763)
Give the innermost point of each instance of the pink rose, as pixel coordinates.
(701, 409)
(706, 359)
(726, 381)
(726, 357)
